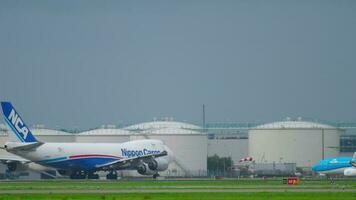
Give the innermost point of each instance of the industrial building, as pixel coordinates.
(300, 142)
(185, 140)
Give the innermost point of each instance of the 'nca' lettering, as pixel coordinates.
(18, 124)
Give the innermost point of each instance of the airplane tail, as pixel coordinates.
(17, 125)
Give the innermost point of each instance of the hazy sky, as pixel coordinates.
(86, 63)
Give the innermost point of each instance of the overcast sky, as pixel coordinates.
(86, 63)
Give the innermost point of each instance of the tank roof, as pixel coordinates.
(164, 127)
(294, 125)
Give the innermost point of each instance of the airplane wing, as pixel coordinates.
(127, 163)
(13, 159)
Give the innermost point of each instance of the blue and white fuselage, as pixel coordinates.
(88, 155)
(332, 166)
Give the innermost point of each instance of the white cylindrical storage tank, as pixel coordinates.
(300, 142)
(104, 135)
(187, 143)
(42, 134)
(52, 135)
(3, 134)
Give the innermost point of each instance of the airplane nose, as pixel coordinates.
(313, 168)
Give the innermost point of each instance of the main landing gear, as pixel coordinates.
(82, 174)
(155, 176)
(93, 175)
(112, 175)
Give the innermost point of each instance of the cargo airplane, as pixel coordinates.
(83, 160)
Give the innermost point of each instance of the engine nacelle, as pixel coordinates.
(159, 164)
(350, 172)
(16, 166)
(143, 169)
(38, 167)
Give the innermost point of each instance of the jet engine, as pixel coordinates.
(16, 166)
(350, 171)
(143, 169)
(159, 164)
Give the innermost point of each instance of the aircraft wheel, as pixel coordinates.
(111, 175)
(74, 175)
(82, 174)
(92, 175)
(155, 176)
(78, 174)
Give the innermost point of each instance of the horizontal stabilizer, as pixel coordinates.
(24, 146)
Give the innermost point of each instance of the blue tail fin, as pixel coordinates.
(17, 125)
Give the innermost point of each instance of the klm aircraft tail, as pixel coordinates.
(17, 125)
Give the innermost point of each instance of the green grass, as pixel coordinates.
(175, 195)
(186, 196)
(196, 184)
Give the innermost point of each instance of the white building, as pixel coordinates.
(51, 135)
(188, 144)
(300, 142)
(104, 135)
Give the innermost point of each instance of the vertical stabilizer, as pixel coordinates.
(16, 124)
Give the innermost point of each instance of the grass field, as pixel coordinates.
(187, 196)
(179, 190)
(167, 184)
